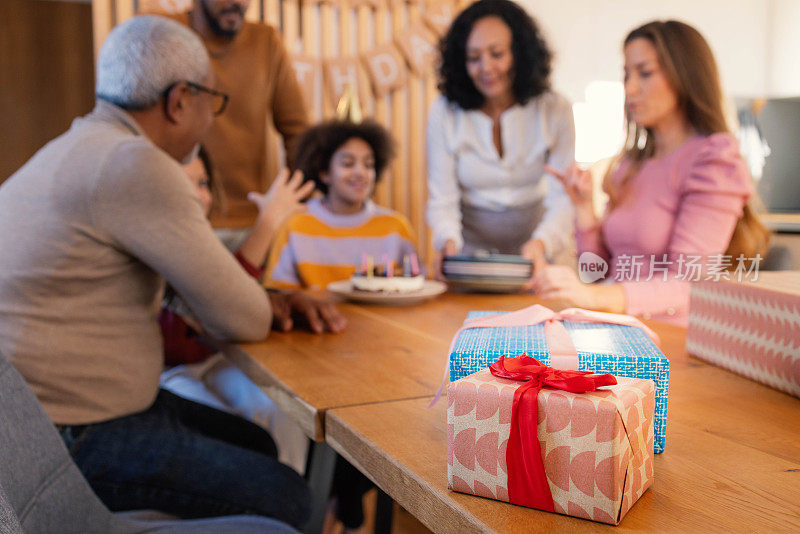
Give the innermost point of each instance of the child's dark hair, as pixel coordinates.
(218, 203)
(317, 145)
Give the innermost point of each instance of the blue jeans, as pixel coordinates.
(189, 460)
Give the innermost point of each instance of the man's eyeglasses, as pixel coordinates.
(219, 99)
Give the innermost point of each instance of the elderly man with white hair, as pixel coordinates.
(89, 229)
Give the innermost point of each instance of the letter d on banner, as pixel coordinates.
(386, 69)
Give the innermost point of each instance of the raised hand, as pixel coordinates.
(579, 186)
(577, 182)
(283, 199)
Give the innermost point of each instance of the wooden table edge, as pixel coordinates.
(310, 419)
(338, 436)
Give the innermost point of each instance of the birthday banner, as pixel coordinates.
(387, 66)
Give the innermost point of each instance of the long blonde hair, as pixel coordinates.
(690, 68)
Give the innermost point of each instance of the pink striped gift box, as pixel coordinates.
(751, 328)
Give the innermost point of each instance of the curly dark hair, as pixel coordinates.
(318, 144)
(532, 56)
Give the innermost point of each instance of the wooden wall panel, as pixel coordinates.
(46, 74)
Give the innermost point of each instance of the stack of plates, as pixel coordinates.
(493, 273)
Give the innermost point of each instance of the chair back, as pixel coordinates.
(43, 487)
(9, 524)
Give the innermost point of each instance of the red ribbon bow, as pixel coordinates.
(527, 482)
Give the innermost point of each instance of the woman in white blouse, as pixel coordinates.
(490, 135)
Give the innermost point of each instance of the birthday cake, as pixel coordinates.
(387, 278)
(388, 284)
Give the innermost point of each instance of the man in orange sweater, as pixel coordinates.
(254, 68)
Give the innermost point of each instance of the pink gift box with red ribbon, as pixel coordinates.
(569, 339)
(595, 448)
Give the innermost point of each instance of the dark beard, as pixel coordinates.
(213, 23)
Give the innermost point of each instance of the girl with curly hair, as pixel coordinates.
(490, 135)
(327, 242)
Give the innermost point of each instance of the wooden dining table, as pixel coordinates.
(373, 360)
(732, 459)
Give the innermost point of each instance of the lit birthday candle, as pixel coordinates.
(369, 266)
(385, 263)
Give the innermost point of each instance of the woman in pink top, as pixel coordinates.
(678, 195)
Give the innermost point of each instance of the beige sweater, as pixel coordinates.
(88, 228)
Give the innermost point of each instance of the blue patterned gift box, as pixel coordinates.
(602, 348)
